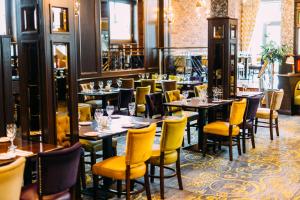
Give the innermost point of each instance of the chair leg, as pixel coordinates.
(271, 128)
(152, 172)
(204, 144)
(230, 148)
(244, 139)
(178, 170)
(239, 145)
(95, 186)
(277, 126)
(252, 137)
(189, 132)
(82, 172)
(119, 188)
(161, 179)
(128, 185)
(256, 123)
(147, 184)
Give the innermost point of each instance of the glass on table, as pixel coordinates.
(97, 116)
(164, 76)
(11, 130)
(131, 109)
(92, 85)
(100, 84)
(143, 76)
(185, 94)
(119, 83)
(147, 75)
(140, 76)
(109, 83)
(110, 110)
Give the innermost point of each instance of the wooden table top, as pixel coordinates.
(34, 147)
(195, 103)
(117, 126)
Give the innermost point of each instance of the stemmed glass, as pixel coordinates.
(92, 85)
(185, 95)
(165, 76)
(147, 75)
(131, 109)
(110, 110)
(11, 130)
(108, 83)
(98, 115)
(119, 83)
(140, 76)
(215, 93)
(143, 76)
(100, 84)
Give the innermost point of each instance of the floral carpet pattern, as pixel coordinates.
(270, 171)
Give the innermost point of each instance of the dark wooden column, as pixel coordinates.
(6, 105)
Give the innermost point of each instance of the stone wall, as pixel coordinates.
(287, 22)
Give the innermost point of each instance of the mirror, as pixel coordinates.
(59, 19)
(29, 19)
(122, 34)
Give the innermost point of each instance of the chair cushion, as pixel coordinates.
(297, 100)
(30, 192)
(264, 113)
(170, 156)
(115, 168)
(94, 146)
(220, 128)
(140, 108)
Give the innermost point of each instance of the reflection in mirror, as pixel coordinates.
(29, 19)
(59, 19)
(122, 34)
(60, 70)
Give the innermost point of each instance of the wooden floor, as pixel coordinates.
(271, 171)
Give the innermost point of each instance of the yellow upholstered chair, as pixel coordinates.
(127, 83)
(174, 78)
(11, 179)
(199, 88)
(149, 82)
(140, 99)
(168, 152)
(297, 94)
(131, 166)
(63, 129)
(95, 103)
(230, 130)
(168, 85)
(271, 113)
(175, 95)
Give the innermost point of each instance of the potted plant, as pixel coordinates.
(271, 54)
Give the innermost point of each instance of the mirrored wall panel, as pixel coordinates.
(29, 19)
(122, 34)
(59, 19)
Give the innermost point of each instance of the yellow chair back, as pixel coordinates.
(62, 129)
(276, 99)
(174, 78)
(11, 179)
(297, 94)
(199, 88)
(149, 82)
(172, 134)
(141, 93)
(237, 112)
(85, 112)
(139, 144)
(127, 83)
(171, 96)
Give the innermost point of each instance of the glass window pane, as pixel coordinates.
(120, 21)
(2, 18)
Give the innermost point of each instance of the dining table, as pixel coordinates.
(27, 149)
(182, 83)
(103, 95)
(248, 94)
(205, 113)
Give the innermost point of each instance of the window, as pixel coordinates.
(120, 20)
(2, 18)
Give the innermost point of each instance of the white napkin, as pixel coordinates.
(23, 153)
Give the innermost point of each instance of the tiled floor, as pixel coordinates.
(271, 171)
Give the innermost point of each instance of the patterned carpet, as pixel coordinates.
(271, 171)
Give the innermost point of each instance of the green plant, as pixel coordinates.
(273, 53)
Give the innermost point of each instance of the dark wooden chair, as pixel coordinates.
(125, 97)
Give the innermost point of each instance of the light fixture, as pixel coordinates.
(291, 61)
(77, 7)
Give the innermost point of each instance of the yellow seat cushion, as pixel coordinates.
(220, 128)
(95, 146)
(115, 168)
(264, 113)
(140, 108)
(170, 156)
(297, 100)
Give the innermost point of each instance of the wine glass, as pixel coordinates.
(185, 95)
(100, 84)
(165, 76)
(92, 85)
(110, 110)
(143, 76)
(108, 83)
(131, 108)
(147, 75)
(98, 115)
(11, 130)
(140, 76)
(119, 83)
(215, 91)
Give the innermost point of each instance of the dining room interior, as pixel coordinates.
(149, 99)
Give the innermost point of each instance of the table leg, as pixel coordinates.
(201, 124)
(107, 153)
(104, 102)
